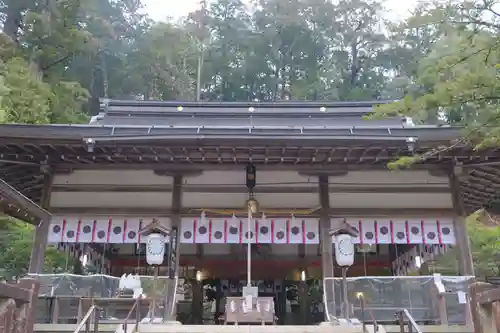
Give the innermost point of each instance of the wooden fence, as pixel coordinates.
(485, 299)
(18, 306)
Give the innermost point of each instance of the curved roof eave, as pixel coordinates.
(129, 133)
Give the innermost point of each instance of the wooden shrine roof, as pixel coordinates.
(175, 136)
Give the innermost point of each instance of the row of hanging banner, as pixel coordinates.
(233, 230)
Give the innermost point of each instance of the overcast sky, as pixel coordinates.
(161, 9)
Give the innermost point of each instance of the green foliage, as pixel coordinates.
(298, 50)
(457, 79)
(16, 242)
(25, 98)
(485, 243)
(485, 246)
(52, 34)
(67, 102)
(31, 61)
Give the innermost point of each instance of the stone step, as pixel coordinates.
(323, 328)
(177, 328)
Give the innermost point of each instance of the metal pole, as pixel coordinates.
(362, 305)
(153, 301)
(344, 292)
(249, 249)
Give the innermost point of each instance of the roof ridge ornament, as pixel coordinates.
(155, 227)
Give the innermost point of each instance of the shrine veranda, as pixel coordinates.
(319, 167)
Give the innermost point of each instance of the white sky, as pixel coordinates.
(159, 10)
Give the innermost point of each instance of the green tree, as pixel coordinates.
(25, 99)
(298, 50)
(457, 79)
(485, 247)
(163, 64)
(16, 242)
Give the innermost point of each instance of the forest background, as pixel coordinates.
(58, 57)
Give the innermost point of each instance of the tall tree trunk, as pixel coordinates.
(13, 21)
(354, 65)
(104, 71)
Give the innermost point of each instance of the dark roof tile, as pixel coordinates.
(149, 113)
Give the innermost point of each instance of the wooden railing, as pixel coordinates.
(362, 305)
(137, 308)
(18, 306)
(406, 322)
(91, 315)
(485, 298)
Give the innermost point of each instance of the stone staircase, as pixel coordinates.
(326, 328)
(178, 328)
(166, 328)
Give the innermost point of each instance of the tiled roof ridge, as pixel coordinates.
(242, 104)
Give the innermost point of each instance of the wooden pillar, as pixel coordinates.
(465, 262)
(197, 301)
(326, 244)
(304, 302)
(429, 293)
(303, 287)
(42, 230)
(174, 251)
(176, 217)
(29, 310)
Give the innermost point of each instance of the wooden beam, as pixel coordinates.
(20, 295)
(489, 296)
(194, 212)
(17, 199)
(354, 188)
(314, 168)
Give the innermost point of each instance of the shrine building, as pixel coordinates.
(319, 166)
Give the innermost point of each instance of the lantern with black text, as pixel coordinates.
(155, 242)
(155, 249)
(344, 250)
